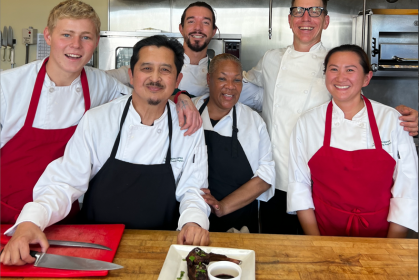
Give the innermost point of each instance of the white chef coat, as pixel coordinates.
(293, 83)
(67, 178)
(194, 81)
(253, 138)
(59, 107)
(349, 135)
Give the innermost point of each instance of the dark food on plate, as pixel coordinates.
(197, 261)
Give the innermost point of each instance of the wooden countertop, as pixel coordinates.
(142, 253)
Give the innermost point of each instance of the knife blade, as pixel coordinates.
(4, 43)
(71, 263)
(10, 44)
(4, 239)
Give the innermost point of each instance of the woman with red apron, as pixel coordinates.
(25, 157)
(352, 191)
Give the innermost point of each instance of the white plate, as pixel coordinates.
(174, 262)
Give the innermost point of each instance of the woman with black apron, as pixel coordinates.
(241, 169)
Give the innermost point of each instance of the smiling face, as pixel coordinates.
(72, 44)
(225, 85)
(197, 29)
(345, 77)
(155, 76)
(307, 30)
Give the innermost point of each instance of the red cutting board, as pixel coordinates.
(107, 235)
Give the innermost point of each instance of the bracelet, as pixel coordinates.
(176, 96)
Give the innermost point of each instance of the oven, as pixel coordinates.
(391, 42)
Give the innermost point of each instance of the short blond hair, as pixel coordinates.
(73, 9)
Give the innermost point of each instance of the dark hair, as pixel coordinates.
(324, 5)
(200, 4)
(159, 41)
(363, 58)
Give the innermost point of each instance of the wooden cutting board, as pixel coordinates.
(107, 235)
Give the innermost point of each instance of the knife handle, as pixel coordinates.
(34, 254)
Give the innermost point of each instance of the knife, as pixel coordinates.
(70, 263)
(4, 43)
(10, 44)
(4, 239)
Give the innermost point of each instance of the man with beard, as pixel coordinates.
(198, 26)
(129, 159)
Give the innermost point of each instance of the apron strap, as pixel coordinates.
(36, 94)
(203, 106)
(234, 141)
(86, 92)
(373, 124)
(235, 130)
(328, 125)
(118, 138)
(169, 150)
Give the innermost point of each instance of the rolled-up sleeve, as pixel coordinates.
(194, 177)
(266, 169)
(404, 203)
(299, 195)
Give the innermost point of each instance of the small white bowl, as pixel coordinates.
(228, 268)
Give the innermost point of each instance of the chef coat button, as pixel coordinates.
(314, 56)
(299, 111)
(51, 90)
(361, 125)
(278, 85)
(283, 67)
(336, 123)
(273, 146)
(78, 89)
(158, 130)
(306, 91)
(203, 70)
(276, 105)
(313, 73)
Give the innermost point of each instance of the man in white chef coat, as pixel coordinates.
(42, 102)
(198, 27)
(131, 160)
(293, 82)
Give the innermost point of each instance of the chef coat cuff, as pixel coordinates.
(31, 212)
(193, 215)
(299, 197)
(404, 212)
(269, 193)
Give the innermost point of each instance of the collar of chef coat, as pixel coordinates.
(187, 60)
(314, 48)
(136, 118)
(49, 83)
(224, 126)
(339, 115)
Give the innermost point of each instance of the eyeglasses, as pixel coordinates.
(312, 11)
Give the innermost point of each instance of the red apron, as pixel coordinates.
(352, 190)
(25, 157)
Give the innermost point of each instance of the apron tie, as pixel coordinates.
(357, 216)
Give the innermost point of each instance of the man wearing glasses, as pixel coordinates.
(292, 81)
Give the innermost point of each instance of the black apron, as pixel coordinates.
(229, 169)
(139, 196)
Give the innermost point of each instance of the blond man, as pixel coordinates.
(42, 102)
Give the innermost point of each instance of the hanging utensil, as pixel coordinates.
(10, 44)
(4, 43)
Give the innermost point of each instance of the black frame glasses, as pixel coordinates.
(309, 10)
